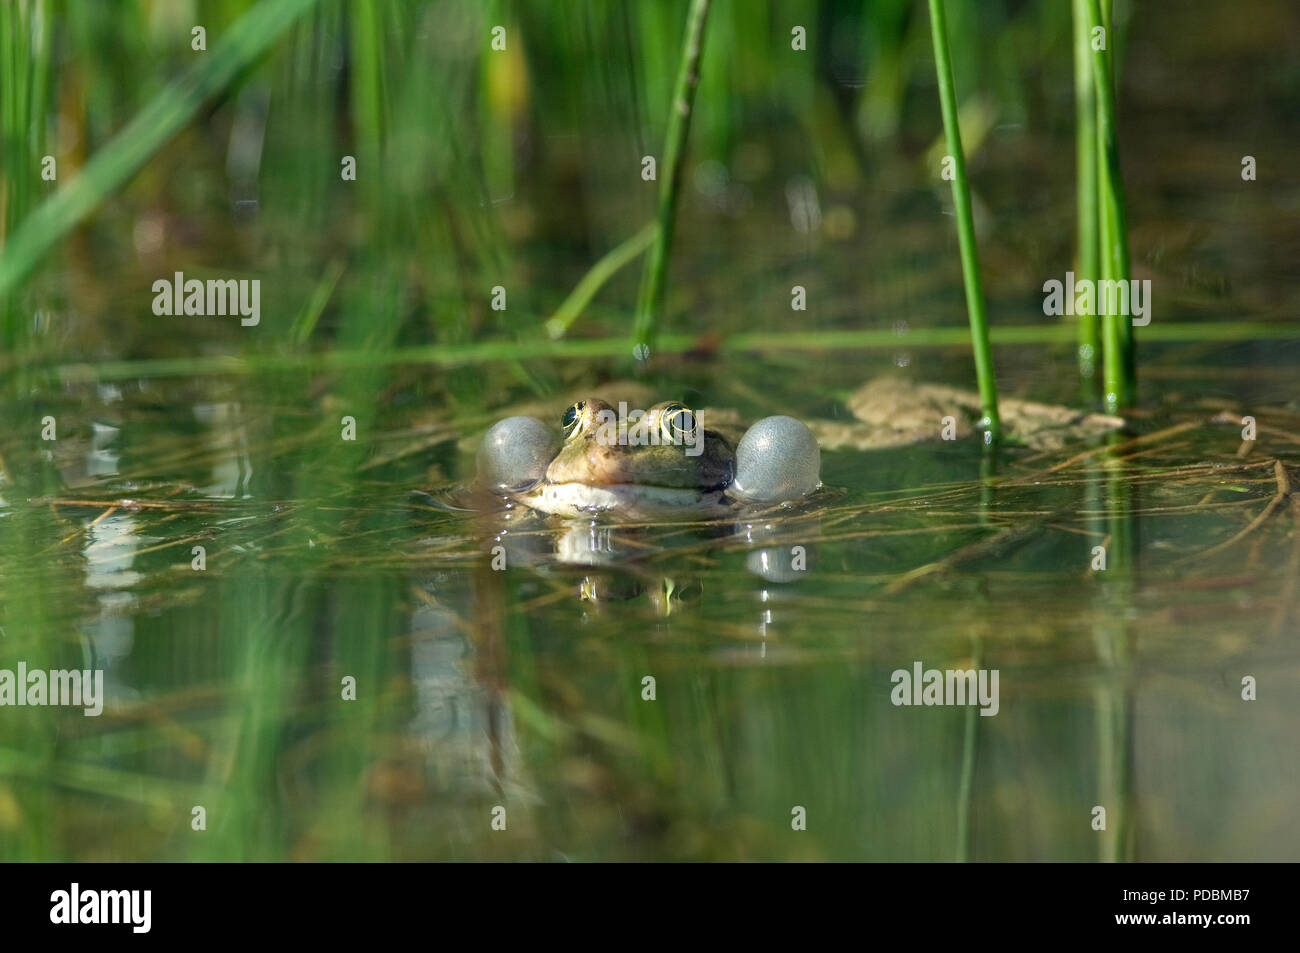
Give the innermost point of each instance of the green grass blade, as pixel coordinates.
(254, 34)
(979, 329)
(650, 304)
(482, 352)
(1086, 172)
(572, 306)
(1119, 365)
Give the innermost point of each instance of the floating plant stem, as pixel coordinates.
(1119, 367)
(650, 302)
(482, 352)
(979, 328)
(1086, 171)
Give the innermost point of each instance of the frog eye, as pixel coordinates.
(678, 421)
(573, 416)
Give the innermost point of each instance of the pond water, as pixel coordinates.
(524, 688)
(308, 653)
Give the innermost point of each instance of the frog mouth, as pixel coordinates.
(635, 499)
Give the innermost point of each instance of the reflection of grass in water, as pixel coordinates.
(28, 736)
(279, 704)
(596, 740)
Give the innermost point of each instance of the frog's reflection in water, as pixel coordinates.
(463, 715)
(665, 566)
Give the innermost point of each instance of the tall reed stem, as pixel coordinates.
(979, 330)
(24, 87)
(650, 303)
(1119, 369)
(1086, 172)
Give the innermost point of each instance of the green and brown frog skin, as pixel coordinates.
(666, 462)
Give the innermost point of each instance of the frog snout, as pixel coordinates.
(777, 459)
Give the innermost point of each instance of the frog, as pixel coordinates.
(644, 465)
(892, 412)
